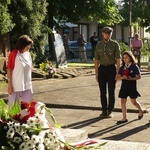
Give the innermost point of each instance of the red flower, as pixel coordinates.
(28, 110)
(126, 72)
(24, 105)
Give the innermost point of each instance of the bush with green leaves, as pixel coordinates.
(146, 46)
(124, 47)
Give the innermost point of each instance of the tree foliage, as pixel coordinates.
(140, 12)
(102, 11)
(29, 17)
(6, 23)
(144, 12)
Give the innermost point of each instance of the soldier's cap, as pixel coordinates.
(107, 29)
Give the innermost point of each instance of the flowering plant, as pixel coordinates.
(48, 68)
(27, 128)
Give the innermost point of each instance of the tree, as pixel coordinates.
(140, 12)
(102, 11)
(6, 23)
(29, 17)
(144, 12)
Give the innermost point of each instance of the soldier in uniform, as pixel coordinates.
(107, 64)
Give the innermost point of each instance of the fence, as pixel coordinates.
(145, 58)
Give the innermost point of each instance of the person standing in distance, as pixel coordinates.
(94, 39)
(107, 64)
(81, 46)
(19, 72)
(136, 46)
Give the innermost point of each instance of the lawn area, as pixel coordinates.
(80, 64)
(144, 63)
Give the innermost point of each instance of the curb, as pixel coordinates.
(65, 73)
(62, 106)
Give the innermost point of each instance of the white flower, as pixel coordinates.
(53, 146)
(23, 129)
(31, 122)
(37, 116)
(17, 140)
(22, 146)
(25, 137)
(35, 139)
(30, 145)
(17, 127)
(10, 124)
(47, 141)
(41, 140)
(51, 143)
(41, 147)
(24, 126)
(49, 135)
(10, 133)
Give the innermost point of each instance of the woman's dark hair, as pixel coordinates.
(130, 54)
(23, 41)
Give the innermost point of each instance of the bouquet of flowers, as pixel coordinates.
(126, 72)
(48, 68)
(26, 128)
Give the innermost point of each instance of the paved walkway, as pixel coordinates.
(75, 105)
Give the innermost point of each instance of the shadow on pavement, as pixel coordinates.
(121, 135)
(127, 133)
(83, 123)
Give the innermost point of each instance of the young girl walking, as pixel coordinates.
(129, 72)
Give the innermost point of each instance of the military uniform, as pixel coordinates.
(107, 53)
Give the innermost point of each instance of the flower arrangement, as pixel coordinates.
(48, 68)
(25, 127)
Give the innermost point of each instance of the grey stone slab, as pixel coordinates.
(122, 145)
(74, 135)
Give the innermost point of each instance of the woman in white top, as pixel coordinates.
(19, 72)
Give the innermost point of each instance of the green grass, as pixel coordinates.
(79, 64)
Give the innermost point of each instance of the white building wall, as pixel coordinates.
(83, 30)
(126, 34)
(118, 33)
(92, 28)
